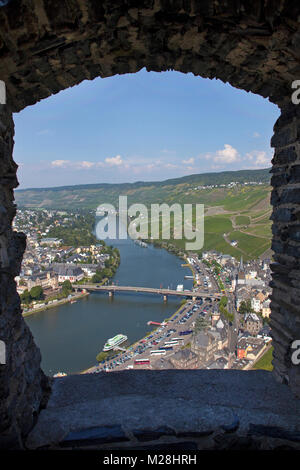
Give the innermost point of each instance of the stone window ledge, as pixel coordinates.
(177, 408)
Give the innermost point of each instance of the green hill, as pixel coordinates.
(237, 213)
(89, 196)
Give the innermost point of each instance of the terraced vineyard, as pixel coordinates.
(253, 239)
(237, 217)
(237, 232)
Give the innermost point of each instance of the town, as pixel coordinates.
(231, 333)
(225, 332)
(51, 264)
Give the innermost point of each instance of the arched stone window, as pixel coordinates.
(47, 46)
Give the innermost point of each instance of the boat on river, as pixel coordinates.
(141, 243)
(111, 343)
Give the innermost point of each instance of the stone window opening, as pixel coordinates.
(48, 46)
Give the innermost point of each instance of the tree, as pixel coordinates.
(229, 316)
(37, 293)
(223, 301)
(97, 277)
(107, 272)
(102, 356)
(116, 252)
(25, 297)
(245, 307)
(67, 284)
(66, 288)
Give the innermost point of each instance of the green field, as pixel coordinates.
(265, 362)
(245, 198)
(242, 220)
(250, 244)
(261, 220)
(263, 230)
(217, 224)
(216, 242)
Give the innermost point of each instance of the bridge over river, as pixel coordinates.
(148, 290)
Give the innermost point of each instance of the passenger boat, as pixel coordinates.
(115, 341)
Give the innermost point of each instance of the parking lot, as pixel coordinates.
(162, 342)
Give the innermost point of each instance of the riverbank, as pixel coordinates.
(134, 345)
(188, 265)
(77, 296)
(169, 247)
(73, 298)
(88, 324)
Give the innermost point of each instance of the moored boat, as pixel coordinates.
(111, 343)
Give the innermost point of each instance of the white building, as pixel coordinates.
(255, 304)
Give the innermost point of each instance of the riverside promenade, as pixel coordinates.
(74, 297)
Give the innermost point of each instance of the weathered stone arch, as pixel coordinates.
(47, 46)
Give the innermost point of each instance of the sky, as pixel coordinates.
(146, 126)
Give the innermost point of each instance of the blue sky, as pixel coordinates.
(145, 126)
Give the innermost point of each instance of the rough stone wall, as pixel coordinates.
(285, 318)
(23, 386)
(49, 45)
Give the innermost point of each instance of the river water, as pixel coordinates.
(70, 336)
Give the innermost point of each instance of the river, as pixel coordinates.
(70, 336)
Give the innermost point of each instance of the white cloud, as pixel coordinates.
(75, 165)
(86, 164)
(227, 155)
(60, 163)
(259, 158)
(170, 166)
(150, 166)
(256, 134)
(189, 161)
(114, 161)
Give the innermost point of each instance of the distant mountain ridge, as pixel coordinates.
(224, 177)
(232, 212)
(172, 190)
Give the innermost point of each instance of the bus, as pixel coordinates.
(167, 347)
(158, 352)
(177, 339)
(188, 332)
(171, 343)
(139, 362)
